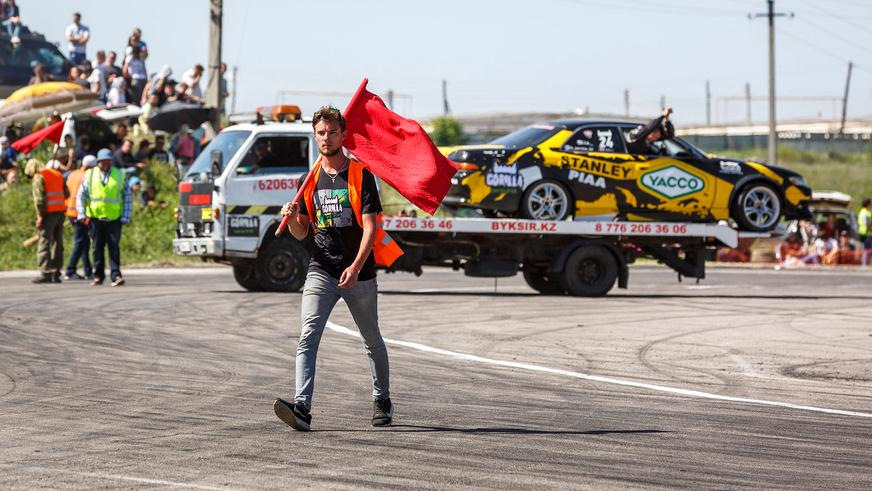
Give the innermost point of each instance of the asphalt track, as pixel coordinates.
(752, 378)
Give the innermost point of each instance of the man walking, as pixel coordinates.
(342, 204)
(105, 201)
(49, 197)
(81, 230)
(864, 223)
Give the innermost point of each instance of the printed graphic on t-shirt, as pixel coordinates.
(332, 208)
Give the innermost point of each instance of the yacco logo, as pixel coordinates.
(672, 182)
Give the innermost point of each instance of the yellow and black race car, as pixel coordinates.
(581, 168)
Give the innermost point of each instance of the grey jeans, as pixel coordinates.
(320, 294)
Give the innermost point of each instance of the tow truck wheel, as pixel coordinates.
(543, 282)
(243, 273)
(758, 208)
(589, 272)
(546, 200)
(281, 265)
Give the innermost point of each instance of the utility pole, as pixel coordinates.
(845, 100)
(771, 15)
(446, 110)
(662, 101)
(708, 104)
(627, 102)
(214, 97)
(390, 97)
(748, 103)
(235, 84)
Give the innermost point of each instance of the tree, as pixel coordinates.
(447, 131)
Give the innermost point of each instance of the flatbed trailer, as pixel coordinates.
(581, 258)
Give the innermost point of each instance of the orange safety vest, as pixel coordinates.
(74, 181)
(384, 248)
(54, 190)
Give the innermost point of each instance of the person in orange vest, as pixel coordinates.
(81, 228)
(341, 203)
(49, 197)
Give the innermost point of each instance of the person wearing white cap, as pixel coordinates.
(49, 197)
(81, 228)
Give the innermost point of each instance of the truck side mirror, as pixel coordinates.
(217, 161)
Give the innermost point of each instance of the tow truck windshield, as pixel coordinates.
(228, 142)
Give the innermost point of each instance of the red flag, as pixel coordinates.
(29, 142)
(397, 150)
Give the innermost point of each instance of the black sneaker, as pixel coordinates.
(56, 277)
(382, 412)
(294, 415)
(46, 278)
(73, 276)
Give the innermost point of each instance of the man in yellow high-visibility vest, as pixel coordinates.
(105, 202)
(864, 223)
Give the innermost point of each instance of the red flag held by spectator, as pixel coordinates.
(397, 150)
(29, 142)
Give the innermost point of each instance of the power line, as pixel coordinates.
(864, 49)
(824, 13)
(650, 9)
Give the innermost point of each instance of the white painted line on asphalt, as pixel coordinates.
(143, 480)
(596, 378)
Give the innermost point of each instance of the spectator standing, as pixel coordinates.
(39, 75)
(184, 149)
(135, 41)
(134, 67)
(81, 229)
(192, 79)
(159, 153)
(105, 199)
(124, 159)
(76, 78)
(118, 92)
(49, 198)
(8, 163)
(100, 75)
(111, 58)
(11, 16)
(141, 155)
(147, 110)
(77, 36)
(864, 223)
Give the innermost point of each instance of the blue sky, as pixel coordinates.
(504, 56)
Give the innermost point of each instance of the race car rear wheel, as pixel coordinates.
(243, 273)
(546, 200)
(543, 282)
(758, 208)
(281, 265)
(590, 271)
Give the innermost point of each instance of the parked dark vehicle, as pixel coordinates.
(17, 61)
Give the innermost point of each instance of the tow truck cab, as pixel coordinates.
(230, 198)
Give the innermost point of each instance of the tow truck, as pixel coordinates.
(229, 204)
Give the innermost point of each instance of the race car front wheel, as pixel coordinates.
(758, 208)
(546, 200)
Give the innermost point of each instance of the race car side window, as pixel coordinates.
(595, 139)
(276, 155)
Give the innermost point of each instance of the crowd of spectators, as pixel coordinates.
(830, 242)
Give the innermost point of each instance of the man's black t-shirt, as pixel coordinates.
(337, 233)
